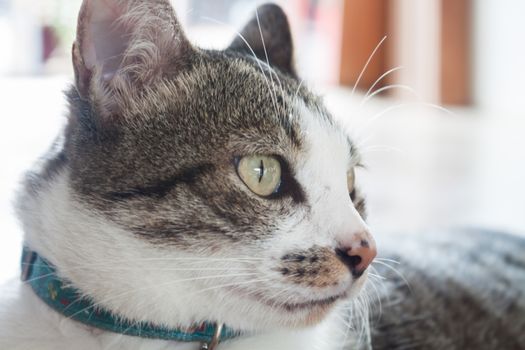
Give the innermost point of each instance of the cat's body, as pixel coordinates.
(196, 186)
(450, 289)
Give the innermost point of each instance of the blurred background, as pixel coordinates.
(430, 90)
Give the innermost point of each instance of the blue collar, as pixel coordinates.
(42, 278)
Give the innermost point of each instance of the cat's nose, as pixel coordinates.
(359, 254)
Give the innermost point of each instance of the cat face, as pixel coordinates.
(203, 185)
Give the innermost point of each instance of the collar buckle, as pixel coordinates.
(216, 338)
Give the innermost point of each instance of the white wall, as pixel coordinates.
(499, 55)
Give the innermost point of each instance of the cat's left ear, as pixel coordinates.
(268, 35)
(123, 46)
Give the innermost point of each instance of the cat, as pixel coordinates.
(190, 189)
(198, 197)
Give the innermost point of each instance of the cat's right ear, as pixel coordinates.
(122, 46)
(268, 37)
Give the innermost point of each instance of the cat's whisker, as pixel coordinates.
(366, 64)
(39, 277)
(188, 260)
(297, 90)
(127, 268)
(363, 141)
(371, 120)
(346, 333)
(387, 110)
(116, 297)
(287, 299)
(390, 71)
(355, 314)
(273, 297)
(436, 107)
(266, 55)
(378, 297)
(290, 107)
(388, 260)
(376, 276)
(344, 322)
(364, 318)
(276, 294)
(374, 270)
(228, 285)
(273, 72)
(388, 87)
(193, 258)
(394, 270)
(270, 69)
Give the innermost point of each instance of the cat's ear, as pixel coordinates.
(123, 45)
(268, 35)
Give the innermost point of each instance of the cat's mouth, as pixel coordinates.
(308, 305)
(314, 304)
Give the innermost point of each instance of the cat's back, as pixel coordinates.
(462, 289)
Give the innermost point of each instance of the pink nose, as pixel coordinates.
(359, 255)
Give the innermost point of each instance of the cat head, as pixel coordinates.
(200, 185)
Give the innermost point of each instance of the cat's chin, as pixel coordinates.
(309, 313)
(314, 305)
(304, 313)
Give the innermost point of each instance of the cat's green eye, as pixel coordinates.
(350, 179)
(262, 174)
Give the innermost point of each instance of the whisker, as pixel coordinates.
(94, 268)
(394, 270)
(366, 65)
(228, 285)
(298, 88)
(381, 77)
(402, 105)
(114, 297)
(389, 260)
(377, 276)
(378, 296)
(39, 277)
(295, 97)
(272, 91)
(389, 87)
(270, 69)
(126, 268)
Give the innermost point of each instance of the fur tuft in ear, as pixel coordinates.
(268, 29)
(123, 46)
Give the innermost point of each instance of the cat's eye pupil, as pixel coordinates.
(261, 170)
